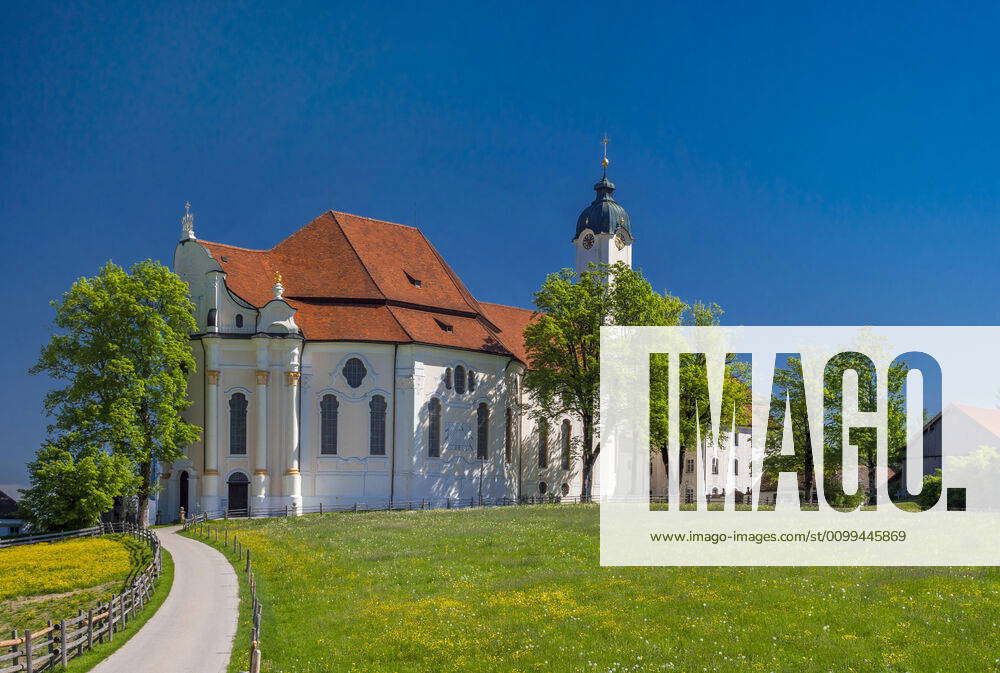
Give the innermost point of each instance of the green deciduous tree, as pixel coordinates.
(121, 346)
(788, 388)
(694, 408)
(70, 490)
(564, 343)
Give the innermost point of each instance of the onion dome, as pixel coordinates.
(604, 215)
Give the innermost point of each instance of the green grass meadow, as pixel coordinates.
(506, 590)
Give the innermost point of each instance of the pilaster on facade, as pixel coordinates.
(261, 482)
(292, 476)
(406, 380)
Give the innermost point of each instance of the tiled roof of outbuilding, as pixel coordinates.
(353, 278)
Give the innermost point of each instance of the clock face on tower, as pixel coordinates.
(619, 241)
(588, 241)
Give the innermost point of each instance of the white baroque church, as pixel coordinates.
(350, 364)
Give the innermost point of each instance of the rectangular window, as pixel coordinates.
(328, 425)
(377, 441)
(689, 465)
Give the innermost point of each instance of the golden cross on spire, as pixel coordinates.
(604, 141)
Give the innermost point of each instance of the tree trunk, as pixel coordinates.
(665, 458)
(145, 488)
(588, 472)
(872, 490)
(589, 458)
(809, 464)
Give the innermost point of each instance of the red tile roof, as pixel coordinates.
(353, 278)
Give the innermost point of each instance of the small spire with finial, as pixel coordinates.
(187, 223)
(278, 288)
(605, 161)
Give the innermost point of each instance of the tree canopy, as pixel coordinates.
(121, 347)
(564, 343)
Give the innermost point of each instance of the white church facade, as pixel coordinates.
(350, 364)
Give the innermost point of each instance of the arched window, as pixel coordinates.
(239, 320)
(542, 487)
(472, 381)
(736, 466)
(354, 371)
(715, 466)
(328, 424)
(508, 435)
(210, 321)
(238, 424)
(565, 489)
(377, 432)
(564, 441)
(434, 428)
(543, 443)
(460, 379)
(482, 430)
(447, 378)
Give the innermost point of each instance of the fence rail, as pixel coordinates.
(382, 506)
(53, 537)
(56, 644)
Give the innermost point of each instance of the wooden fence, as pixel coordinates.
(53, 646)
(100, 529)
(196, 525)
(389, 505)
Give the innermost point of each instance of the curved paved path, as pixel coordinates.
(193, 630)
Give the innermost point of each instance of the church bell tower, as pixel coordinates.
(603, 230)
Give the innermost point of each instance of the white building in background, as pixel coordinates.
(349, 363)
(727, 464)
(11, 522)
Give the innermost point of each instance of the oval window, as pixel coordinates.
(355, 372)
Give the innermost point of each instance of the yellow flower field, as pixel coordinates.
(62, 566)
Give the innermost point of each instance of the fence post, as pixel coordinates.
(29, 664)
(111, 619)
(248, 561)
(90, 629)
(320, 506)
(63, 655)
(255, 657)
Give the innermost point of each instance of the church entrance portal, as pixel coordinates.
(239, 486)
(184, 494)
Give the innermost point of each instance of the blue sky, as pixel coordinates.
(799, 163)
